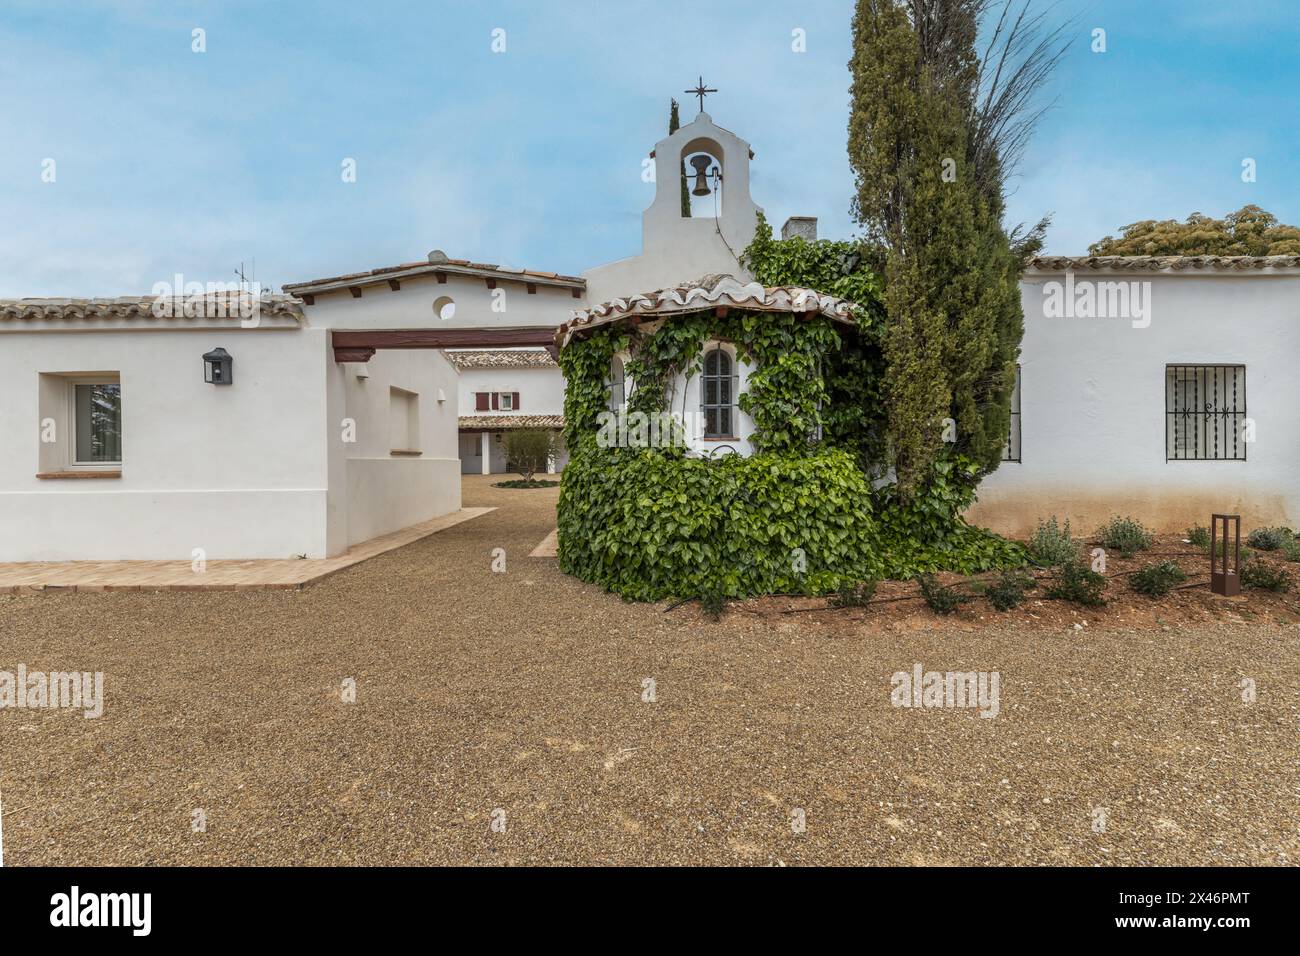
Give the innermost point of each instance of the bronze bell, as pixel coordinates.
(701, 164)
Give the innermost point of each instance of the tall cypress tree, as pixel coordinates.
(674, 124)
(929, 190)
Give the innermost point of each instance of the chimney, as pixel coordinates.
(805, 226)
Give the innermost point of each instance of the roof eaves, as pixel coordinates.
(418, 269)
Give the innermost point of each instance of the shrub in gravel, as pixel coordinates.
(1125, 535)
(1270, 539)
(1199, 536)
(1079, 584)
(939, 598)
(1158, 579)
(853, 595)
(1051, 545)
(1008, 589)
(1264, 577)
(1291, 550)
(713, 603)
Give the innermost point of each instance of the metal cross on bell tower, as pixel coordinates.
(701, 91)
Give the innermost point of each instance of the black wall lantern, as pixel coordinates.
(218, 367)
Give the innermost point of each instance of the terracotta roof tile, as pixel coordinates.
(708, 292)
(435, 263)
(501, 422)
(501, 358)
(146, 307)
(1170, 264)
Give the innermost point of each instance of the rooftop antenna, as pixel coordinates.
(246, 279)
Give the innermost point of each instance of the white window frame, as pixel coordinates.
(734, 405)
(73, 463)
(616, 403)
(505, 401)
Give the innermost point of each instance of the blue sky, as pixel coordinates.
(173, 161)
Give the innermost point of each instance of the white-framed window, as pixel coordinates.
(506, 401)
(616, 384)
(97, 422)
(718, 386)
(81, 423)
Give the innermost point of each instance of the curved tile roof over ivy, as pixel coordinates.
(706, 293)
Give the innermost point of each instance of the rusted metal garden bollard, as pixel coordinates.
(1225, 580)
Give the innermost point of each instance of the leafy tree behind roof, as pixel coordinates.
(1250, 231)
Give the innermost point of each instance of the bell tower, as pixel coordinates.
(676, 248)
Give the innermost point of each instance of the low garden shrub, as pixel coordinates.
(713, 603)
(1125, 535)
(525, 483)
(1008, 590)
(939, 598)
(1051, 544)
(1291, 551)
(1270, 539)
(853, 595)
(1158, 580)
(1077, 583)
(1265, 577)
(1199, 536)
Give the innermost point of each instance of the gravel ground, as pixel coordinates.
(522, 692)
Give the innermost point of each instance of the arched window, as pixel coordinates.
(718, 394)
(616, 384)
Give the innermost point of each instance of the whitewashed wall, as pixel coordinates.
(1093, 408)
(238, 470)
(541, 390)
(412, 306)
(385, 492)
(257, 469)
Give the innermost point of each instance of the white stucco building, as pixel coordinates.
(119, 448)
(1167, 391)
(502, 390)
(345, 418)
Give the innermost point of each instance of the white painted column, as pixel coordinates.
(485, 448)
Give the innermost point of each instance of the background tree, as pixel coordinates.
(934, 128)
(1250, 231)
(529, 449)
(674, 124)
